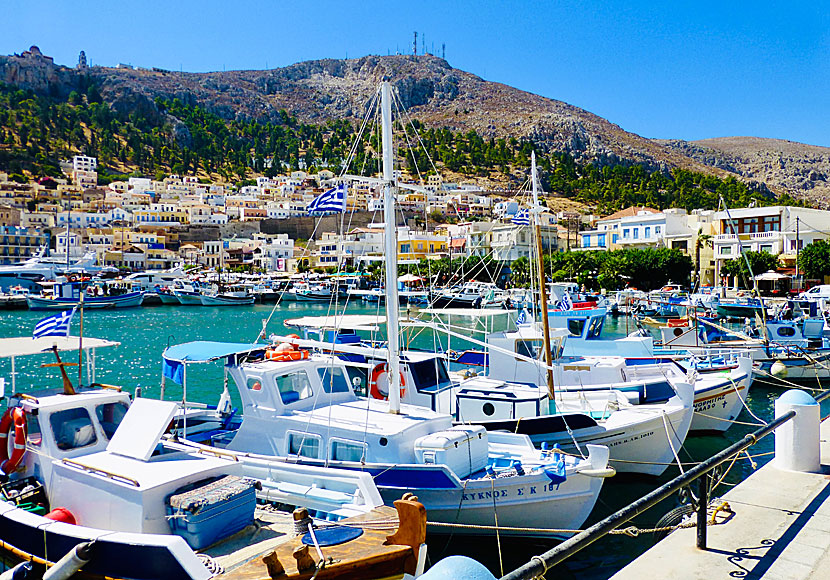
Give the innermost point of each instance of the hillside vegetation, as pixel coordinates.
(37, 131)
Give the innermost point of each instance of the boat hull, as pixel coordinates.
(226, 300)
(645, 447)
(116, 554)
(129, 300)
(188, 299)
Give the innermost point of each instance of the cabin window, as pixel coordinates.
(576, 326)
(529, 348)
(254, 384)
(429, 373)
(110, 415)
(333, 379)
(348, 451)
(786, 331)
(33, 434)
(304, 445)
(294, 387)
(72, 429)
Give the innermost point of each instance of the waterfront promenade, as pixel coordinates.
(780, 531)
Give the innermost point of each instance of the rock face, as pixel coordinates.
(802, 170)
(435, 93)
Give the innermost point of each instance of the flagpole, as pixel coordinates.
(81, 340)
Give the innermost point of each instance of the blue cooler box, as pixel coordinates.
(212, 511)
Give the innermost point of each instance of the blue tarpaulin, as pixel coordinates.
(175, 357)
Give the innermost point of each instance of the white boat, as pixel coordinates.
(306, 411)
(152, 280)
(226, 299)
(136, 504)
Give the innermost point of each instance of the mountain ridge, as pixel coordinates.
(432, 91)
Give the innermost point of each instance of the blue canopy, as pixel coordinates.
(174, 357)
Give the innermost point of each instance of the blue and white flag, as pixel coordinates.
(332, 200)
(522, 218)
(523, 317)
(566, 303)
(57, 325)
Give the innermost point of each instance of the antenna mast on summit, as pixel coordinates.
(415, 44)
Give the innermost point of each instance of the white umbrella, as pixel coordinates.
(771, 275)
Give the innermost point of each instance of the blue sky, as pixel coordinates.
(687, 70)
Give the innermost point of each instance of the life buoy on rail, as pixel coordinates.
(285, 352)
(12, 454)
(374, 389)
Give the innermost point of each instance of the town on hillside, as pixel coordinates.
(143, 224)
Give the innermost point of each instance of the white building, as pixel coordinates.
(777, 230)
(84, 163)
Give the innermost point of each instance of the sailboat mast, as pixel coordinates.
(543, 290)
(391, 250)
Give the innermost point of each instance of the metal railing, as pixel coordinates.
(539, 565)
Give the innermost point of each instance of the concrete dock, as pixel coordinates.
(780, 531)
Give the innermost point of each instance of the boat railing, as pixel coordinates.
(539, 565)
(102, 472)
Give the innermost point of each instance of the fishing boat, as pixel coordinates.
(66, 294)
(471, 294)
(234, 296)
(94, 483)
(746, 307)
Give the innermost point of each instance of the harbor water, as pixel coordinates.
(145, 332)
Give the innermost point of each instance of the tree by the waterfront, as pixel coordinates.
(814, 259)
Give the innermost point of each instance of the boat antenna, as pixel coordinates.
(543, 291)
(391, 249)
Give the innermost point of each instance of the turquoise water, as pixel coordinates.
(145, 332)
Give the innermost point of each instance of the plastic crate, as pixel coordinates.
(26, 490)
(212, 511)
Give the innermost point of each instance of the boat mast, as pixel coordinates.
(391, 249)
(543, 291)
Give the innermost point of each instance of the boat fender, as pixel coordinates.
(19, 572)
(61, 514)
(73, 561)
(373, 383)
(454, 567)
(602, 473)
(778, 369)
(12, 457)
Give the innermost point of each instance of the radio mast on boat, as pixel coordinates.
(543, 291)
(391, 247)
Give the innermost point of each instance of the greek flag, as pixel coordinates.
(566, 303)
(522, 318)
(522, 218)
(57, 325)
(333, 200)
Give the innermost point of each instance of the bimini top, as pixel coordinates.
(205, 351)
(26, 345)
(201, 351)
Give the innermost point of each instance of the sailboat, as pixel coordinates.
(302, 407)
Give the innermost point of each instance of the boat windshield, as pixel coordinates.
(429, 373)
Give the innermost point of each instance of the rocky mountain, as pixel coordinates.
(803, 170)
(433, 92)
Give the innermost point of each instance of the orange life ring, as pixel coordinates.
(373, 383)
(11, 461)
(286, 355)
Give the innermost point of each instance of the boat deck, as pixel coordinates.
(780, 530)
(241, 556)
